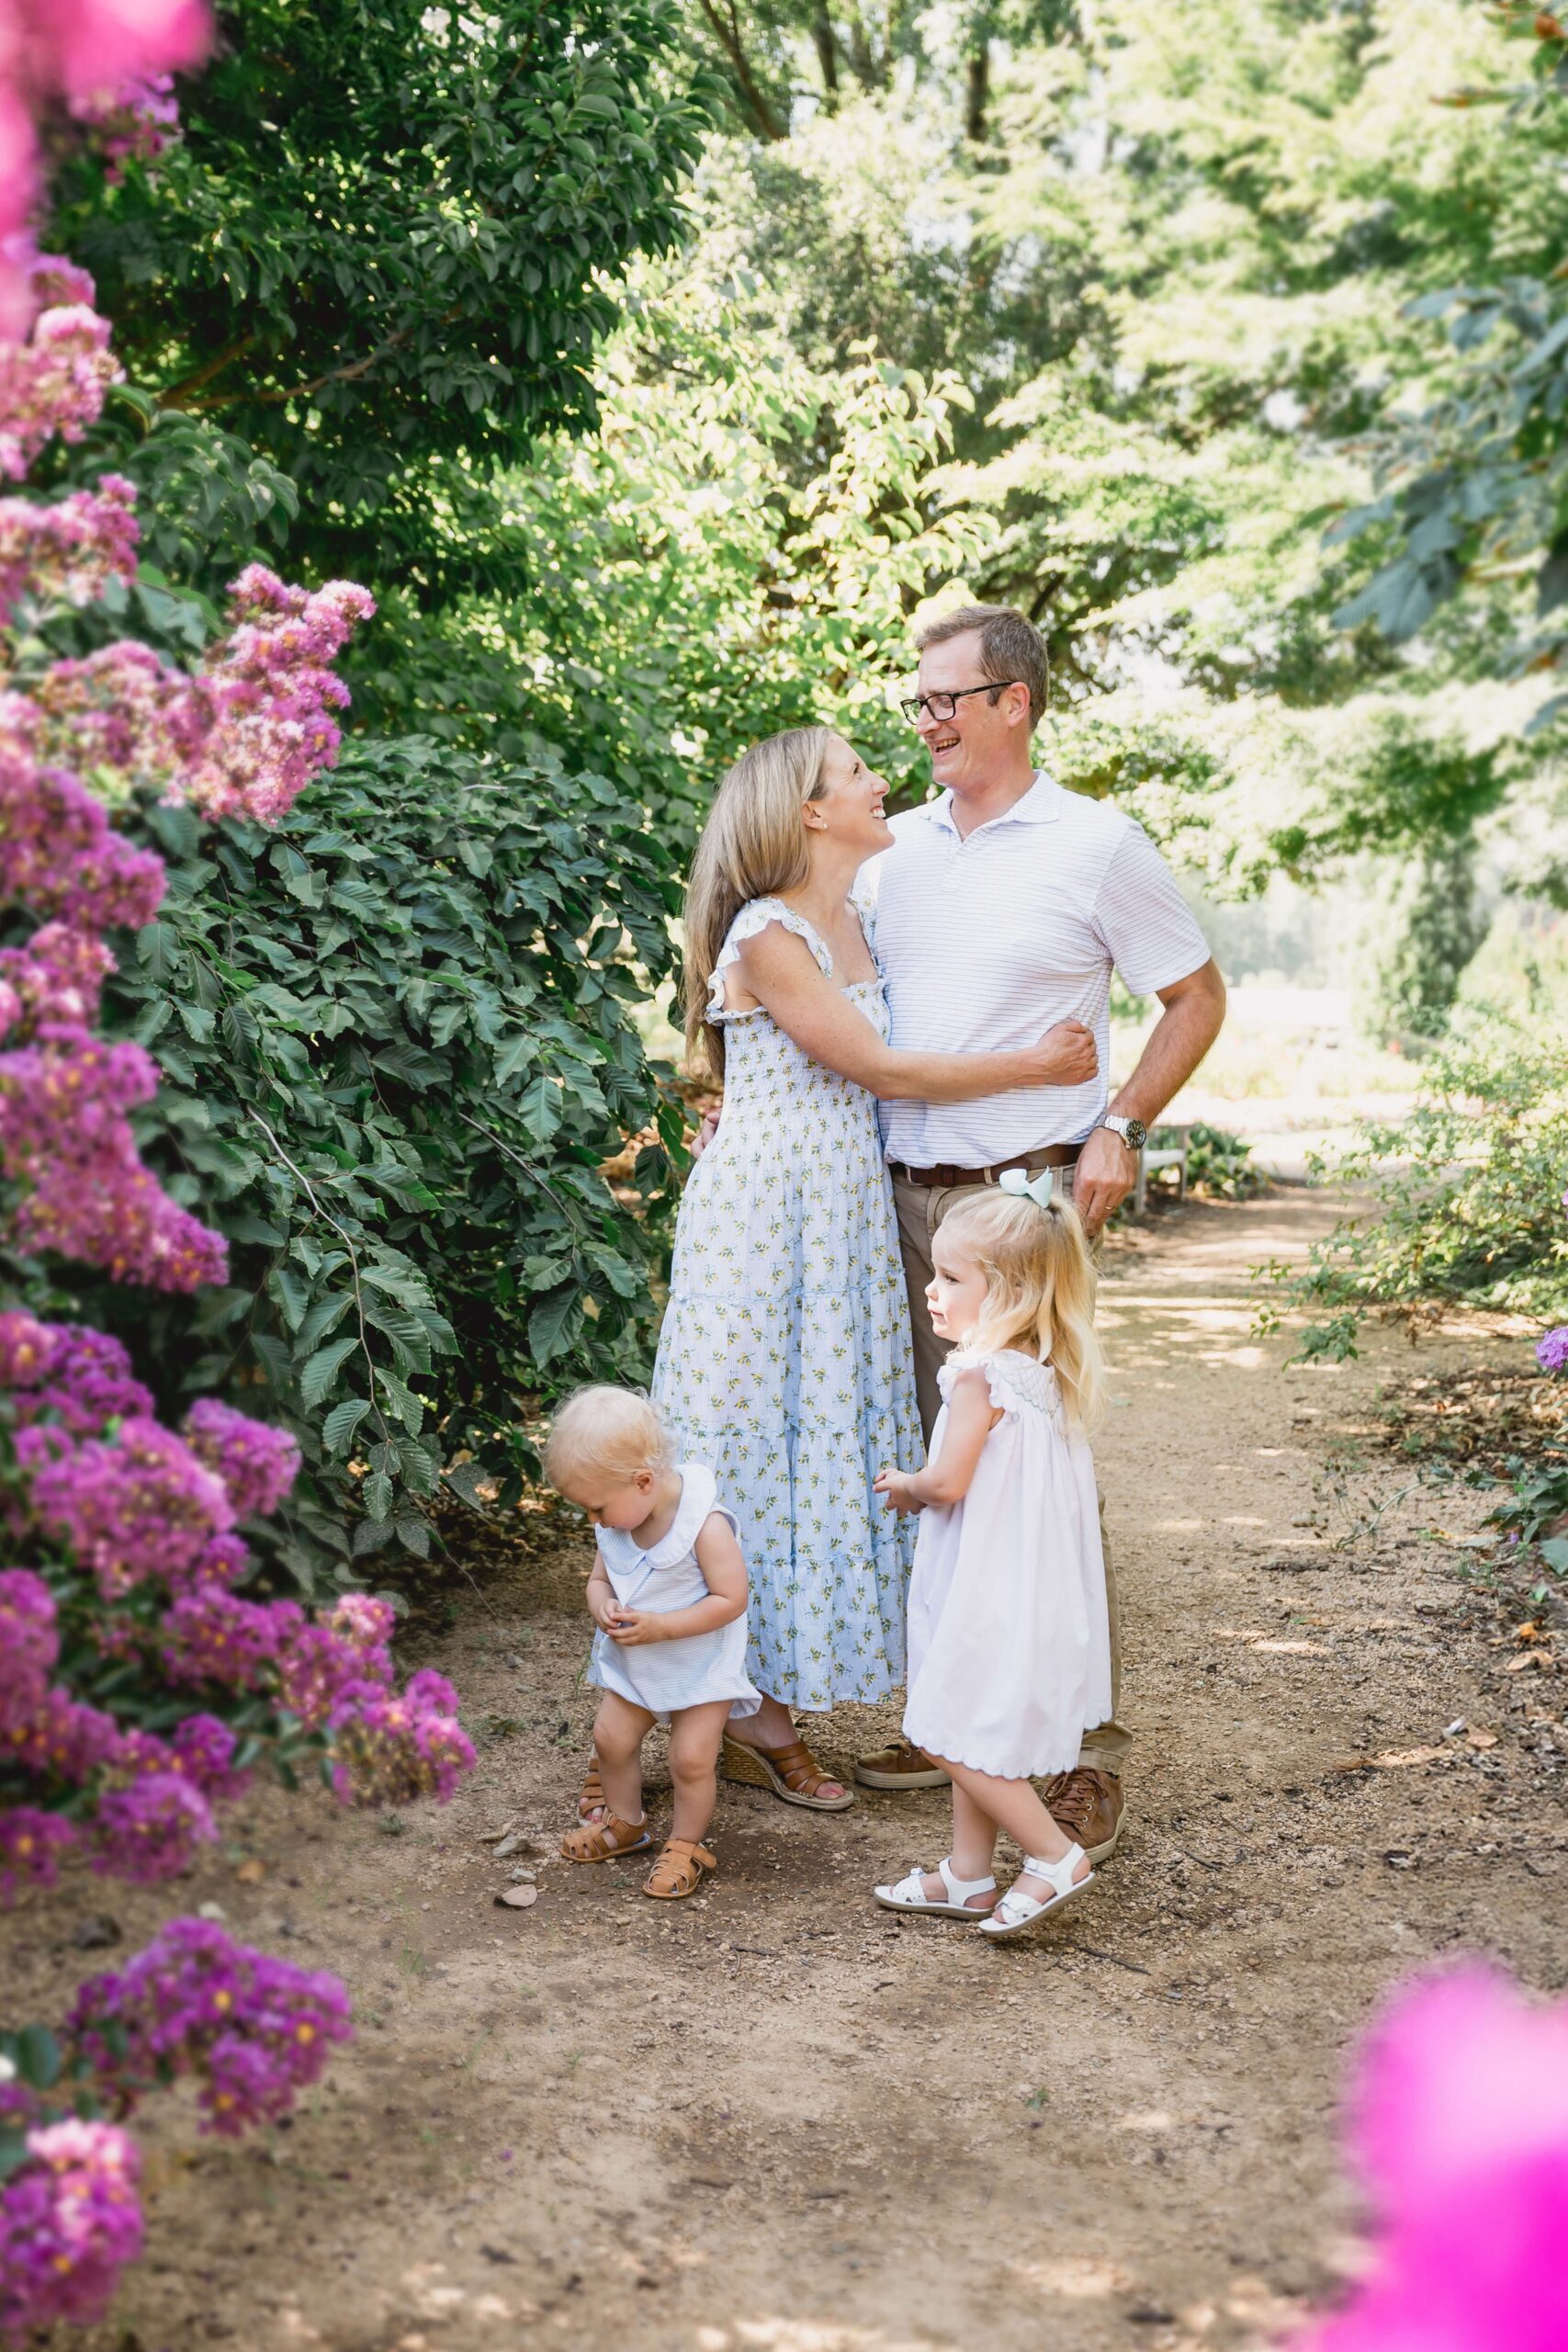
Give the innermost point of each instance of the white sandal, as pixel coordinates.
(910, 1896)
(1016, 1911)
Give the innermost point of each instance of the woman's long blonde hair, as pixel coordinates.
(1040, 1285)
(753, 846)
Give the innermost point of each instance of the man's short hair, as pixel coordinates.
(1011, 648)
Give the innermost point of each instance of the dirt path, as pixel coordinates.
(777, 2118)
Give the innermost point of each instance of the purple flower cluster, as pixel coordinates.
(151, 1830)
(29, 1645)
(58, 379)
(78, 1377)
(392, 1750)
(253, 2030)
(31, 1843)
(70, 2221)
(133, 1506)
(67, 553)
(256, 1462)
(270, 688)
(1552, 1351)
(133, 122)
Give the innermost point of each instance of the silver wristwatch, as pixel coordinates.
(1132, 1132)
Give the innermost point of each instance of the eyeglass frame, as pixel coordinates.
(913, 705)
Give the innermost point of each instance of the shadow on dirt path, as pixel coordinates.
(776, 2119)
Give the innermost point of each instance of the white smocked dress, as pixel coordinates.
(784, 1357)
(666, 1675)
(1009, 1642)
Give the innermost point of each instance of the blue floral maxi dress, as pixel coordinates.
(785, 1359)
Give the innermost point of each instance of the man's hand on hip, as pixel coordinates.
(1103, 1177)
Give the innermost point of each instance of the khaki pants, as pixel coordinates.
(920, 1210)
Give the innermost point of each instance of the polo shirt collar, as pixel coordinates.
(1040, 805)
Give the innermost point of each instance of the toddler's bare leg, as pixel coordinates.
(694, 1734)
(619, 1730)
(1014, 1806)
(972, 1855)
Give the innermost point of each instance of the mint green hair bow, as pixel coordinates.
(1015, 1181)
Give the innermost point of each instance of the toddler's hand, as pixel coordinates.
(634, 1626)
(604, 1612)
(893, 1486)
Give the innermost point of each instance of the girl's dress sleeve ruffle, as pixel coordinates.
(753, 918)
(1015, 1380)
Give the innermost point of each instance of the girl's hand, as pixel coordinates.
(632, 1627)
(605, 1609)
(893, 1486)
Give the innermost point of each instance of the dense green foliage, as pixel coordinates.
(377, 254)
(1466, 1193)
(397, 1041)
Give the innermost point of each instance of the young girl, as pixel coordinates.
(668, 1595)
(1009, 1650)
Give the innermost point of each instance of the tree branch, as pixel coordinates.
(728, 35)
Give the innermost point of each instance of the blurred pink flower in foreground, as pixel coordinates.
(1460, 2129)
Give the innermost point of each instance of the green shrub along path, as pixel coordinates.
(775, 2120)
(396, 1038)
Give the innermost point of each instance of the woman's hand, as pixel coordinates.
(1068, 1054)
(631, 1628)
(893, 1486)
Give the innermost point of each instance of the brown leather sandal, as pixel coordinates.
(602, 1841)
(792, 1774)
(681, 1869)
(592, 1799)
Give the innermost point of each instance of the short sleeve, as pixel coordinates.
(1150, 932)
(755, 917)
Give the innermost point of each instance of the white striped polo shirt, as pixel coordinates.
(985, 943)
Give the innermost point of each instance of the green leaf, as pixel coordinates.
(322, 1371)
(551, 1323)
(337, 1430)
(37, 2057)
(377, 1495)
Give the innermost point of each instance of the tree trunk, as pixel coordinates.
(980, 89)
(826, 54)
(724, 26)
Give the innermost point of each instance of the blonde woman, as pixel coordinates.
(785, 1359)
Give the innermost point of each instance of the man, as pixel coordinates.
(1002, 909)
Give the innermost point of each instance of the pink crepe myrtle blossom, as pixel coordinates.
(70, 2221)
(151, 1830)
(133, 122)
(256, 1462)
(31, 1843)
(78, 1377)
(29, 1644)
(130, 1506)
(1460, 2129)
(392, 1749)
(66, 553)
(252, 2031)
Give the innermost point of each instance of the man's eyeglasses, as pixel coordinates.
(941, 706)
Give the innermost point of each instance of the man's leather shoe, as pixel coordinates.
(1087, 1807)
(899, 1767)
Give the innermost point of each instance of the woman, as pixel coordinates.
(785, 1359)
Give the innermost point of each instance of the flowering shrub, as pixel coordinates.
(251, 2030)
(70, 2221)
(137, 1685)
(1460, 2129)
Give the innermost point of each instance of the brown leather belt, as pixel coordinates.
(943, 1179)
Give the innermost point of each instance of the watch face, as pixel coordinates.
(1137, 1134)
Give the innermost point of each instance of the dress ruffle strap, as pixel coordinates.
(755, 917)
